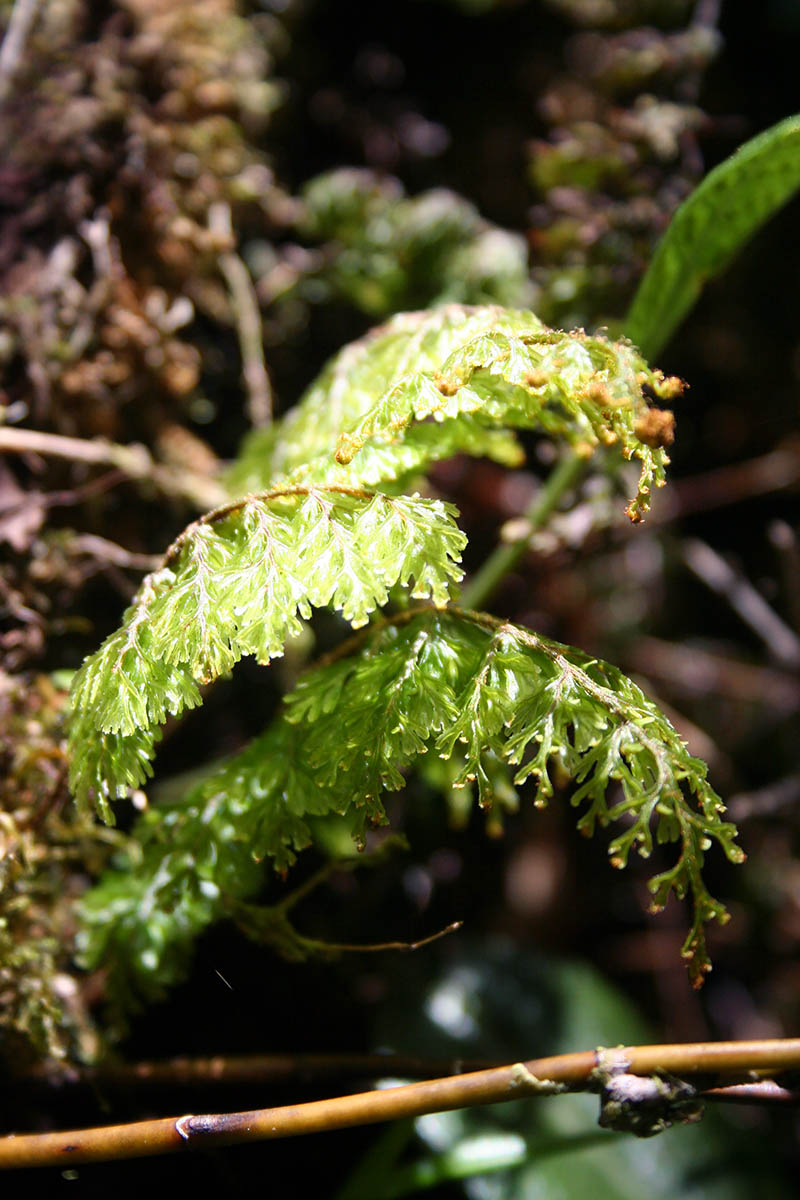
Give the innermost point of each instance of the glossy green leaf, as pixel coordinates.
(710, 227)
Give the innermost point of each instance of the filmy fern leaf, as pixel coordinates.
(238, 582)
(466, 687)
(486, 688)
(196, 858)
(456, 379)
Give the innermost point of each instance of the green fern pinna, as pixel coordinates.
(322, 514)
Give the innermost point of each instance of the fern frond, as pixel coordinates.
(483, 688)
(369, 716)
(238, 582)
(476, 373)
(347, 388)
(197, 857)
(481, 694)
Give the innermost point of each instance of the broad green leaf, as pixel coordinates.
(710, 227)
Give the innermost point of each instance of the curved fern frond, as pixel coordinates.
(474, 375)
(471, 684)
(467, 687)
(238, 582)
(347, 388)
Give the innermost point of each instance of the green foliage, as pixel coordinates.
(194, 858)
(386, 251)
(490, 700)
(450, 683)
(490, 688)
(710, 227)
(238, 582)
(432, 384)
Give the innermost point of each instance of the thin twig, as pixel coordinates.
(711, 569)
(134, 460)
(20, 24)
(376, 947)
(785, 541)
(772, 472)
(247, 318)
(253, 1068)
(68, 497)
(278, 1068)
(769, 801)
(695, 671)
(545, 1076)
(107, 551)
(764, 1091)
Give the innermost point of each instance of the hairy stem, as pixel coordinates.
(503, 560)
(544, 1076)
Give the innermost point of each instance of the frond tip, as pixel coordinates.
(428, 385)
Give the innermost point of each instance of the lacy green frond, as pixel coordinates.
(238, 582)
(484, 697)
(507, 369)
(197, 858)
(432, 384)
(496, 692)
(201, 856)
(107, 766)
(305, 441)
(369, 716)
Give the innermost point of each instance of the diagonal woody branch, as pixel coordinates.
(543, 1076)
